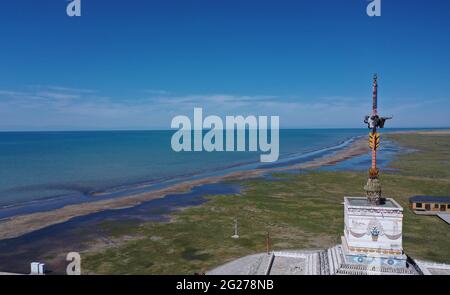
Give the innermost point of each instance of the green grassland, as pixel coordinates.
(301, 211)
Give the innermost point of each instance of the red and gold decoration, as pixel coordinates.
(373, 186)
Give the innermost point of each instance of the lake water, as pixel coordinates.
(47, 167)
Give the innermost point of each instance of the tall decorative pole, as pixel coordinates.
(373, 186)
(235, 236)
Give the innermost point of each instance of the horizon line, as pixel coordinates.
(173, 129)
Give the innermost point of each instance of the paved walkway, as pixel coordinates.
(445, 217)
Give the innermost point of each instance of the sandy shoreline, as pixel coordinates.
(18, 225)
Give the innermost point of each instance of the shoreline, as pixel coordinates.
(15, 226)
(134, 188)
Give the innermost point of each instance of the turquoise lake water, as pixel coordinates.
(50, 165)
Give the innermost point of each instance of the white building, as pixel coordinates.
(373, 233)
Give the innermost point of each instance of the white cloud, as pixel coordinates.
(57, 108)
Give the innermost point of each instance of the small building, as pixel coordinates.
(428, 204)
(37, 268)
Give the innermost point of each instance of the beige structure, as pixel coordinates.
(427, 204)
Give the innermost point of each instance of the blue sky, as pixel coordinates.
(136, 64)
